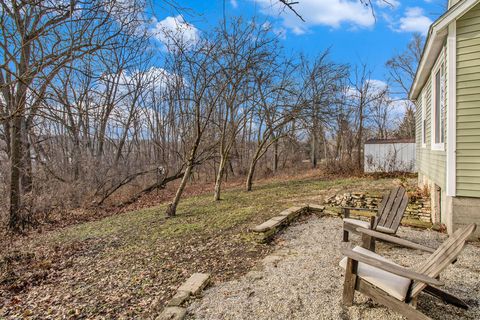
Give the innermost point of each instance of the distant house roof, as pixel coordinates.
(388, 141)
(436, 37)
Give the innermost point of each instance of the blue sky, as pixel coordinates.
(348, 29)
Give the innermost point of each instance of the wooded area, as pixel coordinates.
(94, 111)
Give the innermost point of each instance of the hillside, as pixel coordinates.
(129, 264)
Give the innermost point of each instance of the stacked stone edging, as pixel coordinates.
(418, 207)
(266, 231)
(193, 286)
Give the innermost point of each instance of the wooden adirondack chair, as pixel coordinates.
(397, 287)
(389, 214)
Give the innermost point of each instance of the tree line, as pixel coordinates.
(91, 113)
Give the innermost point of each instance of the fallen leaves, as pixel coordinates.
(129, 266)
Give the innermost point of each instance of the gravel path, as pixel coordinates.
(302, 280)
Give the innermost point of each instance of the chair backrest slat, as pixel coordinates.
(397, 217)
(392, 208)
(446, 253)
(398, 208)
(383, 203)
(388, 207)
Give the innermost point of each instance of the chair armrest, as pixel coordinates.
(385, 266)
(392, 239)
(346, 210)
(359, 209)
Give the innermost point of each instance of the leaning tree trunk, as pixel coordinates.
(172, 207)
(218, 181)
(251, 172)
(259, 152)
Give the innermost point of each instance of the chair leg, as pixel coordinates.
(350, 282)
(346, 214)
(446, 297)
(414, 302)
(368, 242)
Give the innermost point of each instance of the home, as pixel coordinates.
(446, 90)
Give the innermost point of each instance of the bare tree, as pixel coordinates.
(276, 104)
(380, 113)
(406, 127)
(403, 66)
(323, 81)
(245, 46)
(40, 38)
(402, 69)
(198, 92)
(364, 92)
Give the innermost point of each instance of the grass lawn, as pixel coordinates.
(128, 265)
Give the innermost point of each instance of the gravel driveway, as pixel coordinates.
(302, 280)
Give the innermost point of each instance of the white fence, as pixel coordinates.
(389, 156)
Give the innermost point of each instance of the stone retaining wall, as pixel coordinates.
(418, 208)
(265, 232)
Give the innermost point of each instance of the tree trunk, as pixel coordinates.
(251, 171)
(76, 157)
(218, 181)
(359, 144)
(15, 220)
(6, 132)
(26, 163)
(275, 155)
(314, 149)
(172, 207)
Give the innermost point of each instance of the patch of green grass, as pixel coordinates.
(201, 215)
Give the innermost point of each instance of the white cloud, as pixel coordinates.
(378, 85)
(375, 87)
(398, 106)
(332, 13)
(234, 3)
(414, 20)
(392, 4)
(175, 29)
(280, 32)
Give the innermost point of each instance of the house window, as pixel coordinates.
(438, 108)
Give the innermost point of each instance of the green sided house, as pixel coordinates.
(446, 91)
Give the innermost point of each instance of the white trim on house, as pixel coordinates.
(436, 37)
(451, 174)
(424, 117)
(439, 67)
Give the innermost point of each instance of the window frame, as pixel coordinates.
(438, 67)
